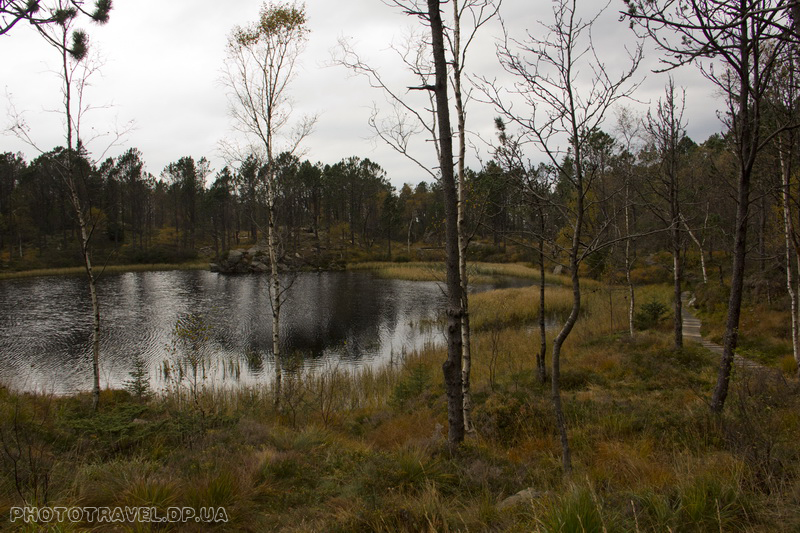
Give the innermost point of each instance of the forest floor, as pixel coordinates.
(366, 450)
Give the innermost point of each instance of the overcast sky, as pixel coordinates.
(163, 63)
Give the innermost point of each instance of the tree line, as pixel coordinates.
(141, 218)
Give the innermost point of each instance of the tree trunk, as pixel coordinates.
(558, 342)
(629, 263)
(785, 161)
(275, 282)
(466, 356)
(452, 366)
(87, 263)
(555, 374)
(676, 282)
(541, 368)
(747, 147)
(699, 248)
(408, 241)
(731, 336)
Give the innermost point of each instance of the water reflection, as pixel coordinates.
(348, 318)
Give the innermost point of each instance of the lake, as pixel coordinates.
(329, 318)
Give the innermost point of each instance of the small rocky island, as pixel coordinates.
(243, 261)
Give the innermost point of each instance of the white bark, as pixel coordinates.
(466, 355)
(699, 248)
(787, 234)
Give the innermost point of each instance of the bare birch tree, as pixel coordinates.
(409, 120)
(57, 25)
(628, 128)
(785, 93)
(262, 58)
(480, 12)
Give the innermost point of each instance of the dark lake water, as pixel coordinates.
(341, 318)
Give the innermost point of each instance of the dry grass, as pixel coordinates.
(478, 273)
(110, 269)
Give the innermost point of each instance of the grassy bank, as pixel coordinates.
(110, 269)
(365, 450)
(478, 273)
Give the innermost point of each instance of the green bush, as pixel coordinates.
(649, 315)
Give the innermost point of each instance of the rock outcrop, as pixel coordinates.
(241, 261)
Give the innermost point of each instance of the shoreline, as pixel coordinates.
(110, 269)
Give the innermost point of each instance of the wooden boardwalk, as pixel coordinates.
(691, 331)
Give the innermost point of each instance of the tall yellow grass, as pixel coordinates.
(478, 273)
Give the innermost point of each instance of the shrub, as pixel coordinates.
(406, 471)
(139, 383)
(649, 315)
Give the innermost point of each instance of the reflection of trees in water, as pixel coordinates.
(345, 312)
(347, 315)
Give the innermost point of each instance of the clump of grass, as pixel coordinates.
(710, 502)
(420, 426)
(109, 483)
(576, 511)
(406, 471)
(630, 465)
(788, 365)
(151, 491)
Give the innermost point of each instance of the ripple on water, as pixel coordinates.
(347, 317)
